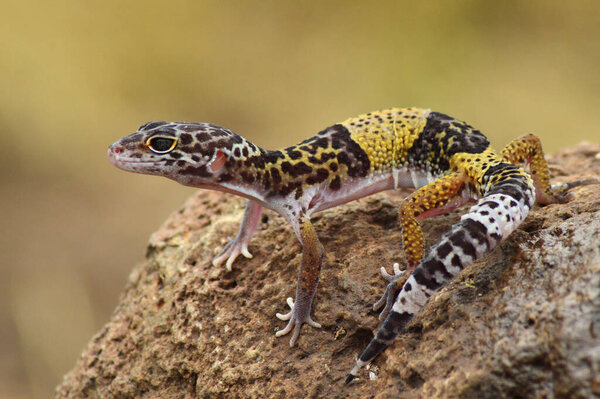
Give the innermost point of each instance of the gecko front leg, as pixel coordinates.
(308, 279)
(239, 245)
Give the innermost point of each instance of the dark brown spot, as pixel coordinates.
(265, 180)
(456, 261)
(320, 176)
(218, 144)
(286, 167)
(247, 177)
(275, 176)
(444, 250)
(300, 168)
(196, 170)
(185, 138)
(322, 142)
(288, 188)
(236, 139)
(203, 136)
(335, 183)
(273, 156)
(257, 161)
(196, 148)
(293, 154)
(218, 132)
(225, 177)
(326, 156)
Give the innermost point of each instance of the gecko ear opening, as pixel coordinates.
(217, 162)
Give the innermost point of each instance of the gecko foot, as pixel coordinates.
(396, 281)
(230, 251)
(297, 317)
(561, 191)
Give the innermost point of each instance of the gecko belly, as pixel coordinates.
(353, 189)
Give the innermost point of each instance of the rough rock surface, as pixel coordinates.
(523, 321)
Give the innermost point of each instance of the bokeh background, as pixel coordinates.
(77, 75)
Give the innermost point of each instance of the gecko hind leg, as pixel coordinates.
(527, 150)
(440, 196)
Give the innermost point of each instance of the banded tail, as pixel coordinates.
(503, 206)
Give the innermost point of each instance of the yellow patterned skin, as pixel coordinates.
(386, 136)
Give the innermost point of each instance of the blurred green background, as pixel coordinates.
(77, 75)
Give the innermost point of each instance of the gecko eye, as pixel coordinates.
(160, 144)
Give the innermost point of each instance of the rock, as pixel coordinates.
(523, 321)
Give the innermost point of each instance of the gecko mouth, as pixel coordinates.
(134, 162)
(124, 163)
(137, 162)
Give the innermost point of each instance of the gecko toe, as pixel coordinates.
(295, 334)
(312, 323)
(286, 316)
(287, 328)
(397, 272)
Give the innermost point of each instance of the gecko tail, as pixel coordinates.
(393, 324)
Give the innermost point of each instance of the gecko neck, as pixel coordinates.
(245, 172)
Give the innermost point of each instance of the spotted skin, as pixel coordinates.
(449, 163)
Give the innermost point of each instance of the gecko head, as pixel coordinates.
(190, 153)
